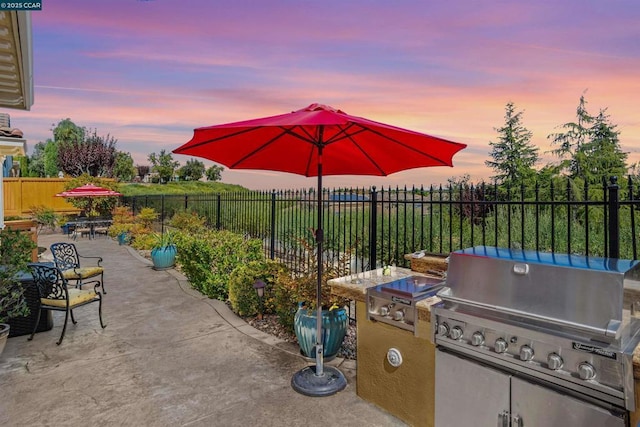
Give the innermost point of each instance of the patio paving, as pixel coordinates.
(169, 356)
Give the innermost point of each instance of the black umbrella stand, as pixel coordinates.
(319, 381)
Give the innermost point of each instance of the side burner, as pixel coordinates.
(394, 302)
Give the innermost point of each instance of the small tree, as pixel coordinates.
(164, 165)
(192, 171)
(50, 159)
(214, 173)
(143, 170)
(123, 169)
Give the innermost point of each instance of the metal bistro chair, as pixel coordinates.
(55, 294)
(67, 259)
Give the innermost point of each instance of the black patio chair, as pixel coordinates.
(67, 259)
(55, 294)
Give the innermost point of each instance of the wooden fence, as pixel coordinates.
(22, 194)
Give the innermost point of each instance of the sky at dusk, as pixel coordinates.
(149, 72)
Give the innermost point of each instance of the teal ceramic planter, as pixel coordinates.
(334, 329)
(164, 257)
(124, 238)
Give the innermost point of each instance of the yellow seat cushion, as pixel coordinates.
(76, 296)
(82, 272)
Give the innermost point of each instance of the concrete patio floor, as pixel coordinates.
(169, 356)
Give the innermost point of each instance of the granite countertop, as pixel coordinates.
(354, 287)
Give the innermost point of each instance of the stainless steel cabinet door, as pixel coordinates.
(469, 394)
(534, 405)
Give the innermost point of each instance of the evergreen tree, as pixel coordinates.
(589, 148)
(513, 154)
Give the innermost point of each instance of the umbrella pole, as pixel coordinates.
(319, 382)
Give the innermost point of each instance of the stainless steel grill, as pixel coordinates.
(395, 302)
(553, 319)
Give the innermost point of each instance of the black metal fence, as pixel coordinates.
(375, 227)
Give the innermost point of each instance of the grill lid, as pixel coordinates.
(582, 293)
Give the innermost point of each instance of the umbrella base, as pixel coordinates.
(306, 382)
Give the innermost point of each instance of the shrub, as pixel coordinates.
(208, 259)
(44, 217)
(242, 295)
(15, 253)
(122, 221)
(188, 221)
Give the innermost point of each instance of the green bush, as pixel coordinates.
(15, 253)
(188, 221)
(207, 259)
(243, 296)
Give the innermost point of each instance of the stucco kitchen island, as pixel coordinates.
(406, 391)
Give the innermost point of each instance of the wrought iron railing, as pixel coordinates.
(379, 226)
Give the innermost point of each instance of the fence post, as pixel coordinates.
(186, 202)
(162, 215)
(218, 212)
(272, 248)
(373, 228)
(614, 220)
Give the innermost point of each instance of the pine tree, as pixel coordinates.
(513, 154)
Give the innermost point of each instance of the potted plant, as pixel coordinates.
(163, 254)
(15, 253)
(303, 289)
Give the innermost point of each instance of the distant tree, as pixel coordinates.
(143, 170)
(513, 154)
(589, 148)
(192, 171)
(36, 160)
(50, 159)
(164, 165)
(214, 173)
(67, 131)
(95, 155)
(570, 141)
(123, 169)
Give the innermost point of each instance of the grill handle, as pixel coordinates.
(612, 330)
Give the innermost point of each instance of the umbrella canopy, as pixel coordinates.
(295, 142)
(315, 141)
(89, 190)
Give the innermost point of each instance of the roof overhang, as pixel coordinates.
(16, 60)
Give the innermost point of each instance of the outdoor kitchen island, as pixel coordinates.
(407, 389)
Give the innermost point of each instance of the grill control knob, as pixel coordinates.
(477, 339)
(526, 353)
(456, 333)
(443, 329)
(586, 371)
(398, 315)
(384, 310)
(500, 346)
(554, 361)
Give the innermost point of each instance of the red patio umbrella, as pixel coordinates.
(89, 191)
(315, 141)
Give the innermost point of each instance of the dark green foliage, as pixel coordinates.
(214, 173)
(513, 154)
(242, 294)
(15, 253)
(123, 169)
(164, 165)
(589, 148)
(208, 259)
(192, 171)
